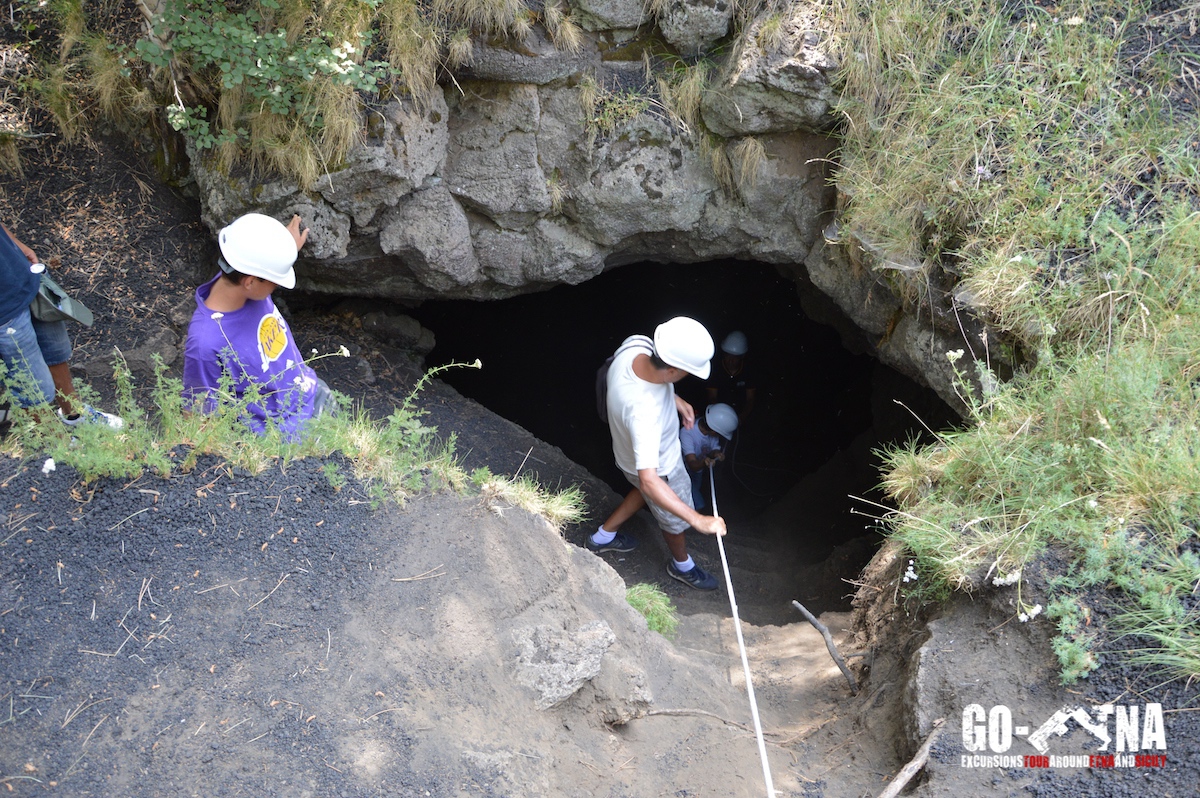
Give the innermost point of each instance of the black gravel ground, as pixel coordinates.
(122, 602)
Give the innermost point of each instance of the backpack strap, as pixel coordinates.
(632, 342)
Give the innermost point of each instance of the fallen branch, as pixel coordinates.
(702, 713)
(915, 764)
(833, 652)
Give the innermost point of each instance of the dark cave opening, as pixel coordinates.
(815, 398)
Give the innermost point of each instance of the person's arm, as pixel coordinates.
(656, 489)
(26, 251)
(695, 462)
(686, 412)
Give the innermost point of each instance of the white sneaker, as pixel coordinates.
(90, 415)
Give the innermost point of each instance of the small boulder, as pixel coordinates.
(692, 26)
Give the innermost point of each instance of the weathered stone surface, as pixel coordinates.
(618, 14)
(429, 232)
(492, 158)
(779, 90)
(555, 663)
(501, 188)
(692, 26)
(536, 61)
(853, 274)
(405, 145)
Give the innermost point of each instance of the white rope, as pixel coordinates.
(737, 625)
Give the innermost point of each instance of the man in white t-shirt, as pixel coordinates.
(643, 416)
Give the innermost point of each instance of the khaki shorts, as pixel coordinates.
(681, 483)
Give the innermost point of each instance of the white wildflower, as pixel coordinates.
(314, 351)
(10, 331)
(478, 364)
(343, 351)
(1093, 504)
(48, 466)
(954, 355)
(1007, 579)
(910, 574)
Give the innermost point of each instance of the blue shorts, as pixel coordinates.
(29, 347)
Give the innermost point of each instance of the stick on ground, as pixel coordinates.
(915, 764)
(833, 652)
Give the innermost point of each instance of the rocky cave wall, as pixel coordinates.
(502, 185)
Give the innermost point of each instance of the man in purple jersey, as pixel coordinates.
(237, 330)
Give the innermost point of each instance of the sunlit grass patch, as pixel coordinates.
(655, 606)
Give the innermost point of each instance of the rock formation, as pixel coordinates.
(508, 182)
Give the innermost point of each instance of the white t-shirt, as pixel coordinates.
(642, 419)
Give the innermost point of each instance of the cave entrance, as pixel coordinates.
(816, 400)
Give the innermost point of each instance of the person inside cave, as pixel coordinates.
(238, 339)
(732, 382)
(702, 448)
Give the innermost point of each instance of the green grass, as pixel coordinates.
(395, 458)
(1036, 161)
(655, 606)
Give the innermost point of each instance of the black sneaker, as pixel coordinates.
(697, 577)
(621, 542)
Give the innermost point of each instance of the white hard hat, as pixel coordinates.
(735, 344)
(685, 344)
(721, 419)
(260, 246)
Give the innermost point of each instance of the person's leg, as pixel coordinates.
(628, 507)
(681, 567)
(55, 345)
(677, 544)
(698, 503)
(607, 538)
(30, 380)
(64, 387)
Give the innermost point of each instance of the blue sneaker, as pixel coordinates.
(621, 542)
(697, 577)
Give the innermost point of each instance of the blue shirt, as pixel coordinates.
(18, 285)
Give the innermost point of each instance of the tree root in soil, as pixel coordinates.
(914, 765)
(833, 652)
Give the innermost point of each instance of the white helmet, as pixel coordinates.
(721, 419)
(685, 344)
(261, 247)
(735, 344)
